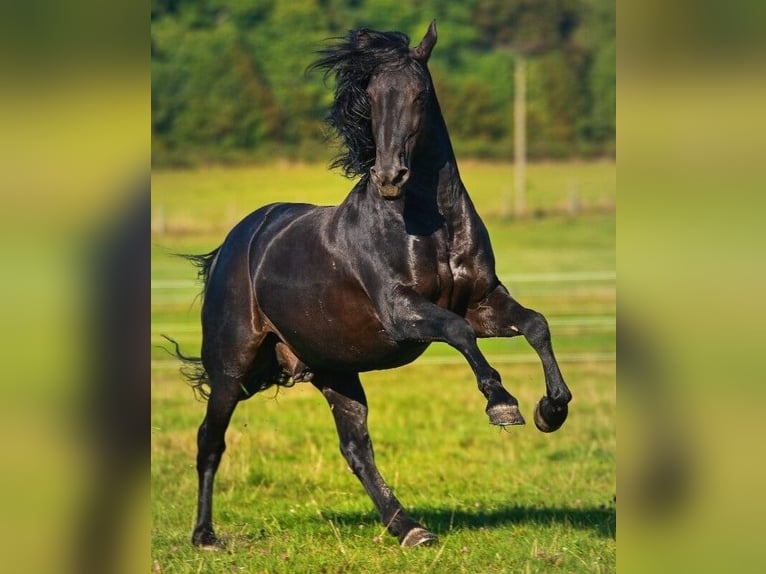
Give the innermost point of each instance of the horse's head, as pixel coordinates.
(398, 99)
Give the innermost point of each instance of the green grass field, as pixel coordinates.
(501, 501)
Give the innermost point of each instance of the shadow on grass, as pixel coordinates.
(602, 520)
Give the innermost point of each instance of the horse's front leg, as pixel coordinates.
(412, 318)
(500, 315)
(346, 398)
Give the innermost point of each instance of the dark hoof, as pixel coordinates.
(504, 414)
(418, 537)
(549, 416)
(206, 540)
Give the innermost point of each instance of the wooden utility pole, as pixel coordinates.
(527, 29)
(520, 134)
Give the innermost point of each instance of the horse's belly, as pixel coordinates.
(336, 329)
(355, 355)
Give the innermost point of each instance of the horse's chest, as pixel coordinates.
(431, 272)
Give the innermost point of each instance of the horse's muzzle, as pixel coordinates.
(390, 181)
(390, 191)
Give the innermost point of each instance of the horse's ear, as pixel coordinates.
(423, 50)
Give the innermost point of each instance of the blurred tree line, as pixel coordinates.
(229, 81)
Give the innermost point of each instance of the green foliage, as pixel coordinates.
(556, 107)
(229, 81)
(529, 26)
(208, 93)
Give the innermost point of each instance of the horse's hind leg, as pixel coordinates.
(211, 445)
(348, 403)
(234, 360)
(499, 315)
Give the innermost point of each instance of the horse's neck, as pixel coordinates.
(437, 169)
(438, 150)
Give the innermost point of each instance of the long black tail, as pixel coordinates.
(193, 370)
(204, 263)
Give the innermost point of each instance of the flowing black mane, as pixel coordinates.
(353, 61)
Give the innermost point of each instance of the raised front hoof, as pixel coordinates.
(206, 540)
(418, 537)
(504, 414)
(549, 416)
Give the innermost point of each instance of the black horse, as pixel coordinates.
(299, 292)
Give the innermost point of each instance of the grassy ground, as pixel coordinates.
(516, 501)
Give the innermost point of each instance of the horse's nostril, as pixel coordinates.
(386, 176)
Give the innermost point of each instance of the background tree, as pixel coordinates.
(229, 82)
(527, 28)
